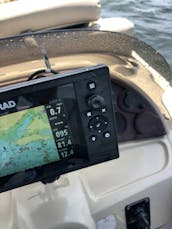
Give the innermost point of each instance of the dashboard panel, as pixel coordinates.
(137, 117)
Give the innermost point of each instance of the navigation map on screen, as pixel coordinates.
(26, 141)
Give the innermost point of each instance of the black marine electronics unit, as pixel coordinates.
(55, 125)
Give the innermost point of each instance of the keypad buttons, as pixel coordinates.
(89, 114)
(103, 110)
(91, 85)
(93, 138)
(107, 134)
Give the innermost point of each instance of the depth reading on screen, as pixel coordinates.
(60, 129)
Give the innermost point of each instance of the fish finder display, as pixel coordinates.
(55, 125)
(33, 137)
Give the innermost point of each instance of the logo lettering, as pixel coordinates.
(7, 105)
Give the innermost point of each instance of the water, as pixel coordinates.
(152, 19)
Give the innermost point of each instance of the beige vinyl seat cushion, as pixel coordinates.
(33, 15)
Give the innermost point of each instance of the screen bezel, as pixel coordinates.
(49, 172)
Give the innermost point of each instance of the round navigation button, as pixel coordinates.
(98, 123)
(96, 101)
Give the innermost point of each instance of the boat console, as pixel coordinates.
(85, 126)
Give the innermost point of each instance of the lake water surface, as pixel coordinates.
(152, 19)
